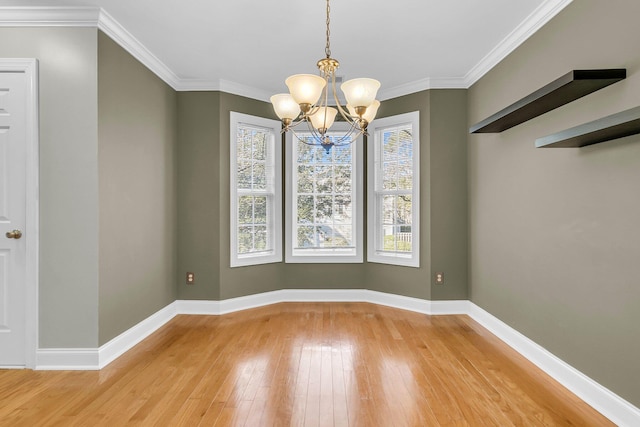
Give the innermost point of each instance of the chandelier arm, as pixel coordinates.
(349, 136)
(345, 114)
(317, 136)
(304, 140)
(318, 140)
(313, 110)
(295, 124)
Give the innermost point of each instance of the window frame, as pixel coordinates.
(319, 255)
(375, 234)
(274, 209)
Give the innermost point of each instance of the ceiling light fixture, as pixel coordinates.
(308, 102)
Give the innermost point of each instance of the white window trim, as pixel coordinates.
(373, 220)
(274, 216)
(337, 256)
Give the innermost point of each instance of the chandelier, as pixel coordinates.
(308, 101)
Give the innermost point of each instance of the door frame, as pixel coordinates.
(29, 66)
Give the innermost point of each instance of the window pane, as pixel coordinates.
(244, 175)
(342, 210)
(405, 148)
(390, 145)
(403, 209)
(243, 145)
(405, 175)
(245, 210)
(342, 185)
(323, 172)
(306, 153)
(388, 209)
(335, 237)
(342, 174)
(305, 209)
(260, 210)
(306, 238)
(245, 240)
(323, 157)
(324, 208)
(324, 186)
(260, 238)
(259, 177)
(342, 155)
(342, 236)
(305, 179)
(389, 243)
(389, 175)
(260, 146)
(323, 235)
(324, 181)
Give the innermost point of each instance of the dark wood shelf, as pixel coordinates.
(571, 86)
(607, 128)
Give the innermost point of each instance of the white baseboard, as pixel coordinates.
(320, 295)
(603, 400)
(67, 359)
(110, 351)
(398, 301)
(612, 406)
(449, 307)
(89, 359)
(206, 307)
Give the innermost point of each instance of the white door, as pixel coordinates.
(14, 87)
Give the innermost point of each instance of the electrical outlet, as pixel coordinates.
(191, 278)
(440, 278)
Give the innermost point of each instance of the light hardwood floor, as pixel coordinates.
(303, 364)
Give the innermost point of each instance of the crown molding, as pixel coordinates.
(128, 42)
(404, 89)
(185, 85)
(538, 18)
(243, 90)
(18, 16)
(423, 84)
(97, 17)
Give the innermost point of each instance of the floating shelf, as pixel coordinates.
(571, 86)
(607, 128)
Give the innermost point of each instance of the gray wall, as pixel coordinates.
(137, 141)
(107, 185)
(203, 194)
(443, 194)
(68, 289)
(203, 183)
(554, 234)
(199, 194)
(235, 282)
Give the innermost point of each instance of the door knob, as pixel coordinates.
(15, 234)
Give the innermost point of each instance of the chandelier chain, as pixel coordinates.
(327, 49)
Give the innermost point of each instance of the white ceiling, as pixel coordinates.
(251, 46)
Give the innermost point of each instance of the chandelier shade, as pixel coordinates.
(285, 106)
(360, 92)
(308, 101)
(305, 88)
(323, 118)
(369, 114)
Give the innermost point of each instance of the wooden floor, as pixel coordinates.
(302, 364)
